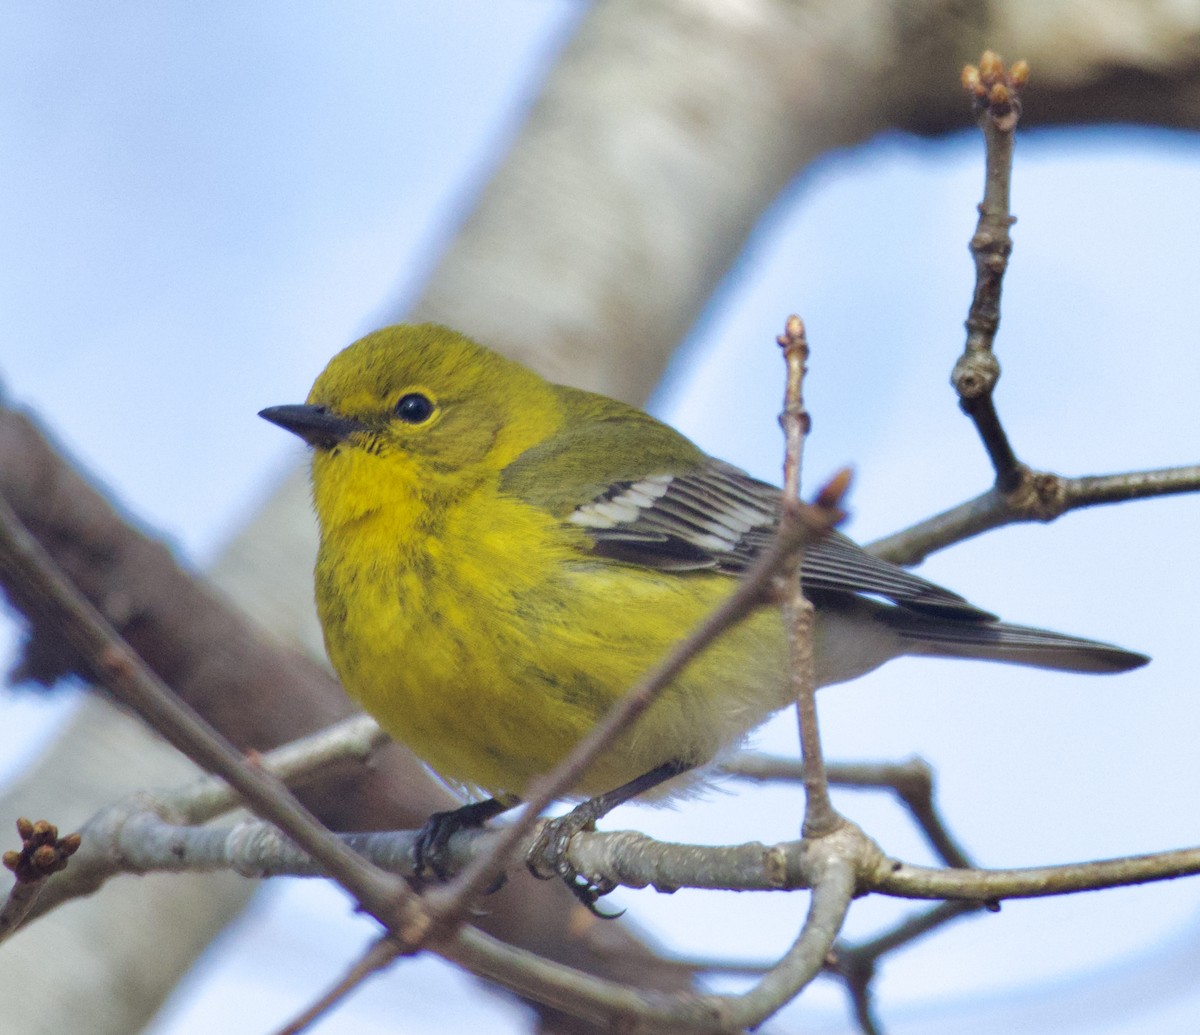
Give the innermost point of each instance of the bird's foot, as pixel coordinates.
(431, 849)
(547, 858)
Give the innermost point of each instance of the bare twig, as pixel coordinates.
(997, 99)
(834, 883)
(22, 897)
(912, 782)
(855, 964)
(380, 953)
(820, 817)
(134, 836)
(795, 419)
(352, 739)
(905, 881)
(142, 833)
(1038, 496)
(127, 839)
(905, 932)
(1019, 493)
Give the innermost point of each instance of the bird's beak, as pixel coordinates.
(315, 424)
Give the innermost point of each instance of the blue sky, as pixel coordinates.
(201, 205)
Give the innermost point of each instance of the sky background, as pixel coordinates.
(200, 205)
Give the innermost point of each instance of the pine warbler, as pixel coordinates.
(501, 558)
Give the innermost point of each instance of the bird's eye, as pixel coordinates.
(414, 408)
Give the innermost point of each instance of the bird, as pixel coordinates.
(502, 557)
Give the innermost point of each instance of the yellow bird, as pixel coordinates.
(502, 557)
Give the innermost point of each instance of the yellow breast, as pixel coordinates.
(485, 637)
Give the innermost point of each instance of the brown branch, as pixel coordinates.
(1019, 493)
(380, 954)
(820, 817)
(996, 95)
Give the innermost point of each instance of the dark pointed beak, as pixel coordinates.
(315, 424)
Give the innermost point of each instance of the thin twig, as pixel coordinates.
(834, 886)
(380, 953)
(22, 897)
(909, 930)
(795, 419)
(856, 964)
(352, 739)
(820, 817)
(978, 885)
(997, 99)
(1038, 496)
(1020, 493)
(911, 781)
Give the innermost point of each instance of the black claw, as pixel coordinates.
(431, 849)
(547, 856)
(588, 892)
(547, 859)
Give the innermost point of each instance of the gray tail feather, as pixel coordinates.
(1015, 644)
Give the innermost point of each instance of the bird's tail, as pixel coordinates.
(1015, 644)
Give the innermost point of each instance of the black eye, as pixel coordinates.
(414, 408)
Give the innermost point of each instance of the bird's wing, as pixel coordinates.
(645, 495)
(718, 517)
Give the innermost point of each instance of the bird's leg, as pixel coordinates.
(429, 849)
(547, 857)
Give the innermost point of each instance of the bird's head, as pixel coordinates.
(413, 409)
